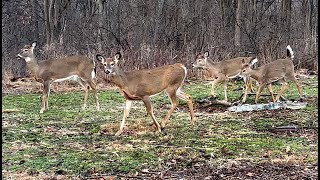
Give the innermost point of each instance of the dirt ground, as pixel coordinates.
(236, 169)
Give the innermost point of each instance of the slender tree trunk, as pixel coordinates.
(47, 21)
(286, 19)
(307, 12)
(34, 21)
(100, 22)
(238, 24)
(157, 21)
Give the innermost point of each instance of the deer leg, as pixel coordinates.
(259, 92)
(93, 87)
(296, 82)
(213, 83)
(125, 115)
(212, 89)
(148, 105)
(283, 87)
(225, 83)
(188, 99)
(48, 94)
(173, 99)
(86, 94)
(246, 90)
(86, 87)
(45, 94)
(250, 84)
(270, 91)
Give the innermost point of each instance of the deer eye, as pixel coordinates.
(112, 63)
(25, 50)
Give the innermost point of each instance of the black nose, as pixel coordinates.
(107, 71)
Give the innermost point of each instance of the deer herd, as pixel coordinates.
(142, 84)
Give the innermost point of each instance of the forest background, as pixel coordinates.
(153, 33)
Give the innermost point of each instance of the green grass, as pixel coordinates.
(65, 140)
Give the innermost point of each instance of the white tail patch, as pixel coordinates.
(93, 74)
(290, 50)
(255, 60)
(72, 77)
(185, 72)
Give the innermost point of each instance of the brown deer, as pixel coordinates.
(280, 70)
(77, 68)
(223, 70)
(141, 84)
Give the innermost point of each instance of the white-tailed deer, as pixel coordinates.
(223, 70)
(141, 84)
(280, 70)
(77, 68)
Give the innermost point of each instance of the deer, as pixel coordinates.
(223, 71)
(142, 84)
(78, 68)
(280, 70)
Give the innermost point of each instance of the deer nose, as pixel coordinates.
(107, 71)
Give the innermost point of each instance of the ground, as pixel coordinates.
(65, 143)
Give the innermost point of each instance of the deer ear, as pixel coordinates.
(99, 57)
(117, 57)
(34, 44)
(206, 54)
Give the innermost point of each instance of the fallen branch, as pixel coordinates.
(283, 129)
(10, 110)
(211, 101)
(254, 94)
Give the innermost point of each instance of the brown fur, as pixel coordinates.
(222, 70)
(50, 70)
(280, 69)
(141, 84)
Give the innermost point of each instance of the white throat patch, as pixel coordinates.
(27, 59)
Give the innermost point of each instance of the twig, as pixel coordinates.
(283, 128)
(177, 147)
(253, 94)
(10, 110)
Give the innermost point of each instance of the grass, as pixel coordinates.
(64, 141)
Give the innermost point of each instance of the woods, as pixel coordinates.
(154, 33)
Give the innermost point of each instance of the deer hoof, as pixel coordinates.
(118, 133)
(41, 111)
(163, 125)
(158, 131)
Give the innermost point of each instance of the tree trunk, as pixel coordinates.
(100, 22)
(157, 22)
(47, 21)
(307, 12)
(238, 24)
(286, 19)
(35, 22)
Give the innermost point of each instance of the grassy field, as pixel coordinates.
(64, 143)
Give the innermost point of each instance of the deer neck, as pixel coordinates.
(32, 64)
(209, 66)
(119, 78)
(256, 73)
